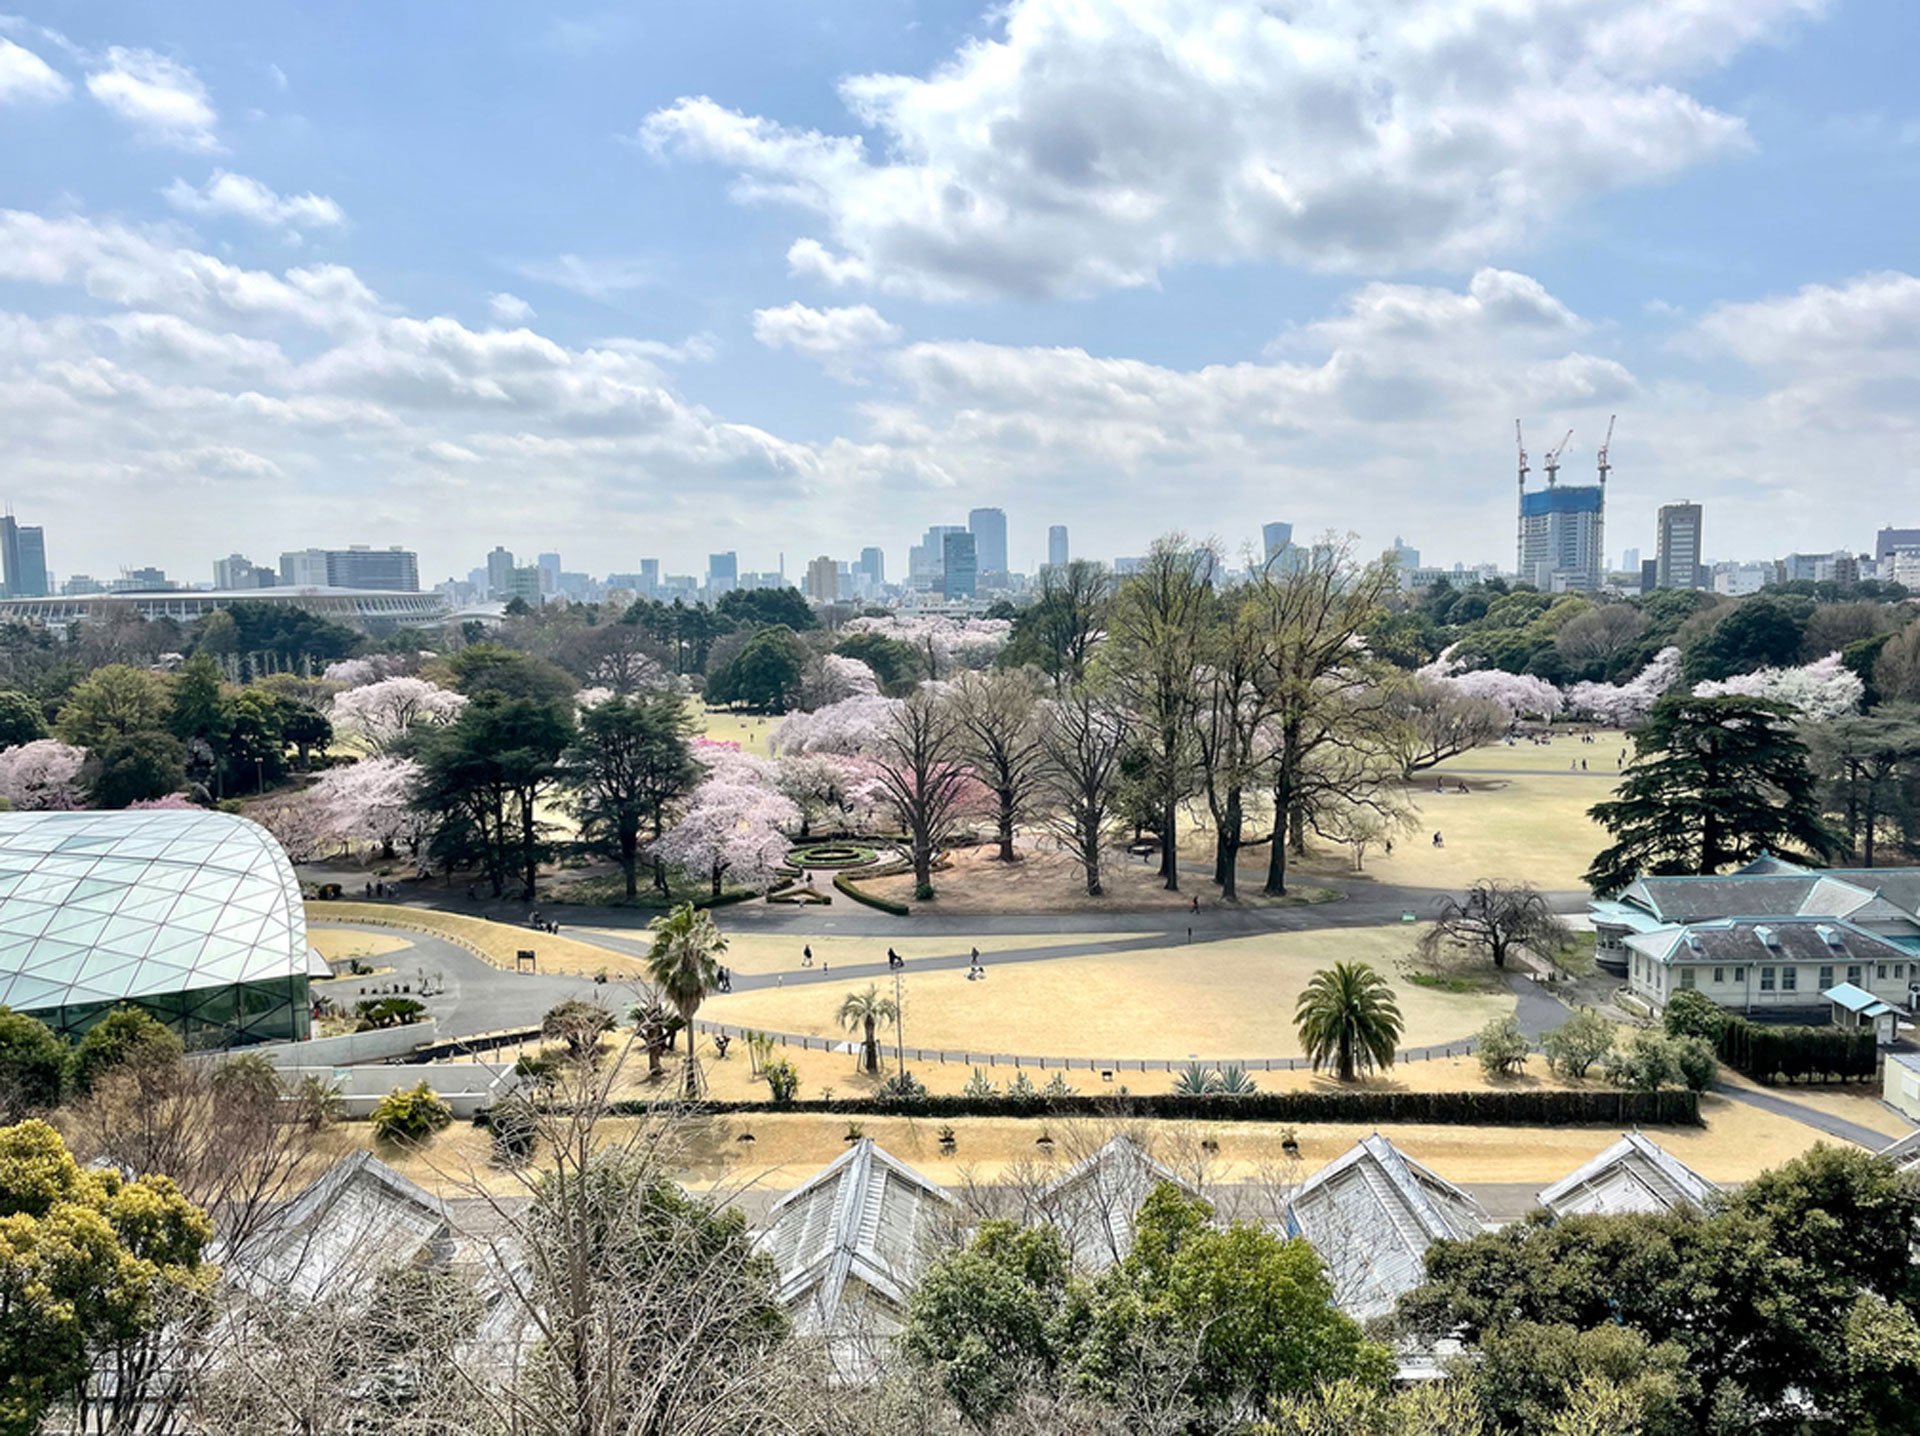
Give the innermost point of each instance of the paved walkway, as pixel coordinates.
(1810, 1116)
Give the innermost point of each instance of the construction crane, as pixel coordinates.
(1605, 445)
(1520, 439)
(1552, 464)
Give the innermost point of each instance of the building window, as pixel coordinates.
(1686, 978)
(1880, 972)
(1719, 975)
(1854, 973)
(1899, 969)
(1789, 979)
(1766, 979)
(1826, 976)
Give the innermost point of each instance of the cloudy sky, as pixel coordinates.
(804, 275)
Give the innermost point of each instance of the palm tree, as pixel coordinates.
(866, 1011)
(1347, 1013)
(682, 965)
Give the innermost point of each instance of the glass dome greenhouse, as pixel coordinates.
(194, 916)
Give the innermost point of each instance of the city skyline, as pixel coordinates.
(673, 296)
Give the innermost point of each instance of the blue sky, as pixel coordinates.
(798, 277)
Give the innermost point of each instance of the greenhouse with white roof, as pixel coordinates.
(195, 917)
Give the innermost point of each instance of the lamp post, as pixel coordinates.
(899, 1022)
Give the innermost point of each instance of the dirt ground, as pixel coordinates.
(1045, 880)
(1232, 998)
(497, 942)
(758, 952)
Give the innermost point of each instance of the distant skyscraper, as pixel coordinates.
(723, 572)
(1405, 557)
(1562, 532)
(924, 558)
(1677, 557)
(1057, 546)
(1276, 539)
(823, 580)
(1630, 561)
(1889, 539)
(392, 570)
(500, 572)
(23, 559)
(959, 566)
(649, 577)
(873, 563)
(236, 571)
(989, 530)
(549, 566)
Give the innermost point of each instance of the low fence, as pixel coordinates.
(350, 1049)
(1104, 1065)
(466, 1087)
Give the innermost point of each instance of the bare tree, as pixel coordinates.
(921, 752)
(1316, 661)
(1082, 734)
(1059, 633)
(999, 712)
(1159, 620)
(1433, 722)
(1496, 918)
(1232, 732)
(1600, 635)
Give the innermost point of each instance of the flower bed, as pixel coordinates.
(833, 855)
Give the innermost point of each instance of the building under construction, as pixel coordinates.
(1563, 526)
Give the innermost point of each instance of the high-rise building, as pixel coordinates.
(236, 572)
(1057, 551)
(523, 583)
(23, 558)
(1677, 554)
(500, 573)
(723, 572)
(1630, 561)
(1405, 557)
(389, 570)
(1276, 539)
(549, 566)
(989, 530)
(873, 563)
(823, 580)
(925, 558)
(1562, 530)
(1889, 539)
(649, 577)
(959, 565)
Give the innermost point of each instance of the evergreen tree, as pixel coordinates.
(1714, 782)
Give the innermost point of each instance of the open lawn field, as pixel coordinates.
(338, 944)
(497, 942)
(1232, 998)
(760, 952)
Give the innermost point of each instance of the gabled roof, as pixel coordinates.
(1769, 866)
(1766, 939)
(1371, 1214)
(1635, 1174)
(1856, 1000)
(360, 1218)
(1904, 1154)
(865, 1219)
(1095, 1202)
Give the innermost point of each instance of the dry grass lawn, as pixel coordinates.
(337, 944)
(495, 941)
(760, 952)
(1851, 1101)
(1227, 999)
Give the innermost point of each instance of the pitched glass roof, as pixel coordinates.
(101, 907)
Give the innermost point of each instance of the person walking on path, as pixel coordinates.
(806, 955)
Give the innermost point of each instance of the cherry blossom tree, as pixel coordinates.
(1822, 691)
(372, 801)
(378, 715)
(171, 803)
(1626, 705)
(298, 822)
(43, 776)
(834, 678)
(849, 728)
(358, 672)
(948, 643)
(1519, 694)
(735, 824)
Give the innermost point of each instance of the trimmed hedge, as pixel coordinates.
(1472, 1109)
(853, 890)
(1767, 1053)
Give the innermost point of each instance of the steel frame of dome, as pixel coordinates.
(195, 917)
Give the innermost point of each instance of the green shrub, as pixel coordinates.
(905, 1089)
(1647, 1063)
(1694, 1056)
(1021, 1092)
(32, 1059)
(378, 1013)
(125, 1035)
(859, 894)
(318, 1101)
(979, 1086)
(1058, 1086)
(1579, 1042)
(410, 1114)
(513, 1127)
(1767, 1054)
(782, 1080)
(1501, 1047)
(1691, 1013)
(1194, 1080)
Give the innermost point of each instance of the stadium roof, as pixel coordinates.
(124, 906)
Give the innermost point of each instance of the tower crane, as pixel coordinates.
(1520, 440)
(1552, 464)
(1606, 444)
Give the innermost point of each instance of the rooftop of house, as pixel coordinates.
(1771, 939)
(1635, 1174)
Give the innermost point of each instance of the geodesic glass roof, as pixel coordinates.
(103, 907)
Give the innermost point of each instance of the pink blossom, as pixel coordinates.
(380, 714)
(1520, 694)
(172, 802)
(1822, 691)
(736, 823)
(1626, 705)
(371, 801)
(42, 776)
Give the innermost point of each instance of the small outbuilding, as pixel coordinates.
(1635, 1174)
(1855, 1008)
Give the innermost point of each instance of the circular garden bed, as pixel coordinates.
(832, 855)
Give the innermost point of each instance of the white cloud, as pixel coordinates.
(229, 194)
(25, 78)
(509, 308)
(822, 331)
(1873, 314)
(161, 98)
(595, 278)
(1091, 144)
